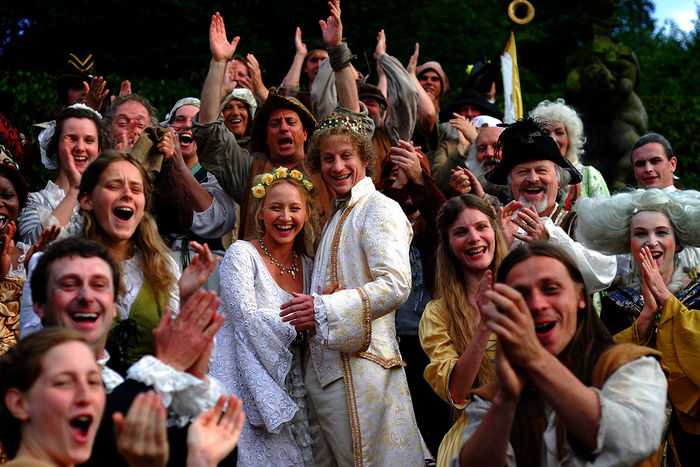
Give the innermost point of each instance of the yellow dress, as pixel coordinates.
(678, 340)
(437, 344)
(677, 337)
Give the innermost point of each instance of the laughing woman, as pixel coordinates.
(115, 195)
(258, 353)
(656, 300)
(73, 141)
(457, 342)
(51, 400)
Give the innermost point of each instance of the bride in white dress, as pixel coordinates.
(258, 350)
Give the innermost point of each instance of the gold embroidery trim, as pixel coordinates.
(366, 318)
(352, 410)
(334, 244)
(386, 363)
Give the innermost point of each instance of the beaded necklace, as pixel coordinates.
(293, 269)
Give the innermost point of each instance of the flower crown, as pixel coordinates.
(266, 179)
(353, 123)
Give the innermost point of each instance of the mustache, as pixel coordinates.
(528, 185)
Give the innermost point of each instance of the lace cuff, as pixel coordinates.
(111, 379)
(321, 317)
(185, 395)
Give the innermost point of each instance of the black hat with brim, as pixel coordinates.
(273, 102)
(470, 96)
(75, 71)
(523, 141)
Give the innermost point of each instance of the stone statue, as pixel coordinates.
(601, 84)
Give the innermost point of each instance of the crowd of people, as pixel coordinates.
(338, 272)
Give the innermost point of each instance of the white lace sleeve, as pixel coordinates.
(38, 214)
(185, 395)
(253, 357)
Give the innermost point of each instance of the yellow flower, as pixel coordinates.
(267, 179)
(296, 175)
(281, 172)
(258, 191)
(309, 186)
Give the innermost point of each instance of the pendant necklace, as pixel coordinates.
(291, 270)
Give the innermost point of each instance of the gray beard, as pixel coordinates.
(477, 168)
(539, 207)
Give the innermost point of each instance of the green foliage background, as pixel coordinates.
(162, 48)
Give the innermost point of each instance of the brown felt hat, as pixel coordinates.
(273, 102)
(370, 91)
(437, 68)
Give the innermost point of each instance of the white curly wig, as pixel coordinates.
(558, 111)
(603, 223)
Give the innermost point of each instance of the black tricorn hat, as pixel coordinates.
(75, 70)
(523, 141)
(483, 73)
(470, 96)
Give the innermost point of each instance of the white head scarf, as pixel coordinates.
(50, 161)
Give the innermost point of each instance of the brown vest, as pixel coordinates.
(609, 361)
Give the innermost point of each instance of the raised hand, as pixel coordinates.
(465, 127)
(332, 27)
(381, 44)
(459, 181)
(482, 301)
(511, 320)
(529, 221)
(229, 82)
(96, 92)
(214, 434)
(463, 181)
(408, 159)
(221, 48)
(196, 324)
(299, 46)
(197, 273)
(48, 235)
(505, 220)
(8, 246)
(256, 76)
(125, 88)
(511, 381)
(142, 439)
(169, 144)
(652, 277)
(413, 61)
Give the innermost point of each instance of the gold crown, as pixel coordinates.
(353, 123)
